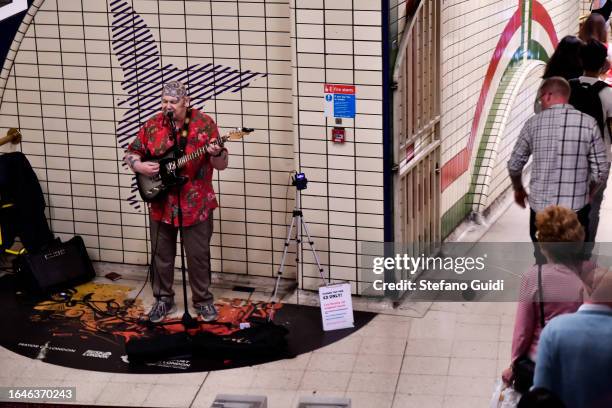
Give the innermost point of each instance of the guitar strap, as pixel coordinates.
(184, 134)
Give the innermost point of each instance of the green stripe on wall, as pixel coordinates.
(455, 215)
(537, 51)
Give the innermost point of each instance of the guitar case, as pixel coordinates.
(263, 340)
(266, 340)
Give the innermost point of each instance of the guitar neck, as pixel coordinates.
(199, 152)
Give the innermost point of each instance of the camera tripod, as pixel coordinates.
(298, 223)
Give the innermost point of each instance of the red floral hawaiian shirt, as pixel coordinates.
(197, 195)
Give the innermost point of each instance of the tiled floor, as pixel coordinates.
(448, 358)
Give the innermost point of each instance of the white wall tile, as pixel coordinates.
(87, 129)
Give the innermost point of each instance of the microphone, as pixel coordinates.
(170, 116)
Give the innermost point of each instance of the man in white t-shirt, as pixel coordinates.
(594, 56)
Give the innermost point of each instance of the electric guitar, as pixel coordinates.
(151, 188)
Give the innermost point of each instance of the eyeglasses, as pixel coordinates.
(541, 95)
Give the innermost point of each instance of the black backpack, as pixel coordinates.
(585, 98)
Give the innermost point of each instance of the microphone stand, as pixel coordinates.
(187, 320)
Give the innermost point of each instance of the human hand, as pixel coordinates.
(148, 168)
(507, 376)
(213, 149)
(520, 196)
(593, 189)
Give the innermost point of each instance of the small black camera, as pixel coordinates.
(300, 181)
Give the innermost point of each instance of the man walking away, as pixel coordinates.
(569, 158)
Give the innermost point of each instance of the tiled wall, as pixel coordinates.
(71, 91)
(521, 110)
(564, 15)
(465, 59)
(339, 42)
(88, 73)
(397, 18)
(470, 78)
(513, 105)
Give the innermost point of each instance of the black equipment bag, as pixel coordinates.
(523, 371)
(59, 265)
(157, 348)
(267, 339)
(263, 340)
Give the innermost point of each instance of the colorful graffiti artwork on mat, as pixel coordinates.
(87, 327)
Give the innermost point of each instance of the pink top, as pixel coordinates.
(563, 293)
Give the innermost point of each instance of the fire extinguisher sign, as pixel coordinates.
(339, 101)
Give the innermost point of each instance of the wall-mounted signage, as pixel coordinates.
(339, 101)
(338, 135)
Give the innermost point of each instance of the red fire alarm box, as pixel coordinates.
(338, 135)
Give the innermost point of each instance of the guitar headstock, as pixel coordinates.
(239, 133)
(13, 136)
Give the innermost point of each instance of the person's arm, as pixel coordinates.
(219, 155)
(526, 318)
(524, 325)
(598, 161)
(518, 159)
(132, 159)
(134, 154)
(220, 160)
(520, 194)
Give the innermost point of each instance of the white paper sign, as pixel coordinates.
(336, 306)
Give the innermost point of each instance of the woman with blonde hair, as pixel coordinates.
(547, 290)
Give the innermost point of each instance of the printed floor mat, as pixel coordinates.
(88, 326)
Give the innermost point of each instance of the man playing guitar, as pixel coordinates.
(194, 130)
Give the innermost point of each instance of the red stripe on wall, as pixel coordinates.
(540, 15)
(454, 168)
(459, 164)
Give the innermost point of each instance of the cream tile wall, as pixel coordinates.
(73, 93)
(338, 42)
(564, 15)
(520, 110)
(470, 34)
(69, 91)
(397, 18)
(465, 57)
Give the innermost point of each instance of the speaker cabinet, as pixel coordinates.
(59, 265)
